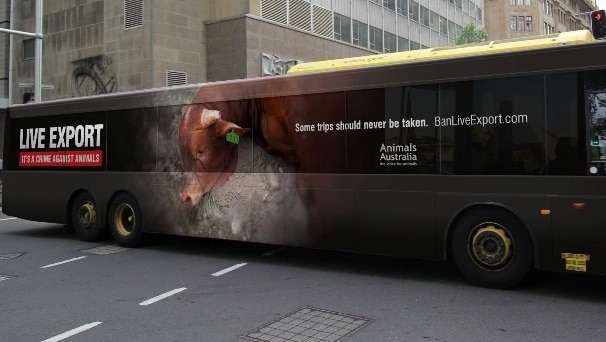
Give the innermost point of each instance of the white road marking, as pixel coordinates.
(9, 218)
(72, 332)
(162, 296)
(229, 269)
(63, 262)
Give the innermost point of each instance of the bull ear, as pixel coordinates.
(209, 117)
(223, 127)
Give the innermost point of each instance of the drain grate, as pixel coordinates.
(104, 250)
(309, 324)
(10, 256)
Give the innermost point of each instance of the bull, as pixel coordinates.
(209, 159)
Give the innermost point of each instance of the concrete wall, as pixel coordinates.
(235, 46)
(178, 40)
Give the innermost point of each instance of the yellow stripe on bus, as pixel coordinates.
(490, 47)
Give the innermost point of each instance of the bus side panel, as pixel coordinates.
(35, 196)
(395, 223)
(579, 234)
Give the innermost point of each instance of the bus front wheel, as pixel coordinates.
(492, 248)
(125, 220)
(84, 219)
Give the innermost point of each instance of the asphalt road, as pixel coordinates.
(54, 288)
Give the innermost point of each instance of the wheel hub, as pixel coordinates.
(87, 215)
(124, 219)
(491, 246)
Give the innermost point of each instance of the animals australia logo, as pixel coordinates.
(398, 155)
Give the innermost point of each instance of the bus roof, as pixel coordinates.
(483, 48)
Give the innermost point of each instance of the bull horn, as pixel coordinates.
(209, 117)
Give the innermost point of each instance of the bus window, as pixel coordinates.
(493, 126)
(396, 133)
(597, 133)
(562, 130)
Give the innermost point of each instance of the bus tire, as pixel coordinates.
(125, 220)
(492, 248)
(84, 218)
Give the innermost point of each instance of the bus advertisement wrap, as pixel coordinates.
(496, 162)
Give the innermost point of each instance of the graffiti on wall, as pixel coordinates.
(273, 65)
(94, 75)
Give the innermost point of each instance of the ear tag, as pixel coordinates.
(232, 137)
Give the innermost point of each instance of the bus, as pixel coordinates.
(490, 155)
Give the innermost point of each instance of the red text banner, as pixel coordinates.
(91, 158)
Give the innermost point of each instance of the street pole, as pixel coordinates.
(38, 54)
(37, 50)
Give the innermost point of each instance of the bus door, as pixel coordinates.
(579, 210)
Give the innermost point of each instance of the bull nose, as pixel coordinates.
(186, 199)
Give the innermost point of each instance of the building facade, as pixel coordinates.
(520, 18)
(104, 46)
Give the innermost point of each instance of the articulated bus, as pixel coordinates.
(491, 155)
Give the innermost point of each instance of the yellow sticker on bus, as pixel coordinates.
(576, 262)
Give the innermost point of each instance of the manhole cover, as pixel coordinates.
(309, 324)
(104, 250)
(10, 256)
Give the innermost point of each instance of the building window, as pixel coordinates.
(414, 45)
(434, 21)
(521, 23)
(424, 18)
(513, 23)
(342, 28)
(451, 29)
(403, 44)
(391, 4)
(528, 23)
(390, 42)
(29, 48)
(520, 2)
(375, 39)
(413, 10)
(528, 2)
(360, 34)
(512, 2)
(548, 8)
(402, 8)
(443, 25)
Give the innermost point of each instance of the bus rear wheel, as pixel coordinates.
(84, 218)
(125, 220)
(492, 248)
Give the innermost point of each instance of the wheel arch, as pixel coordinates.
(472, 207)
